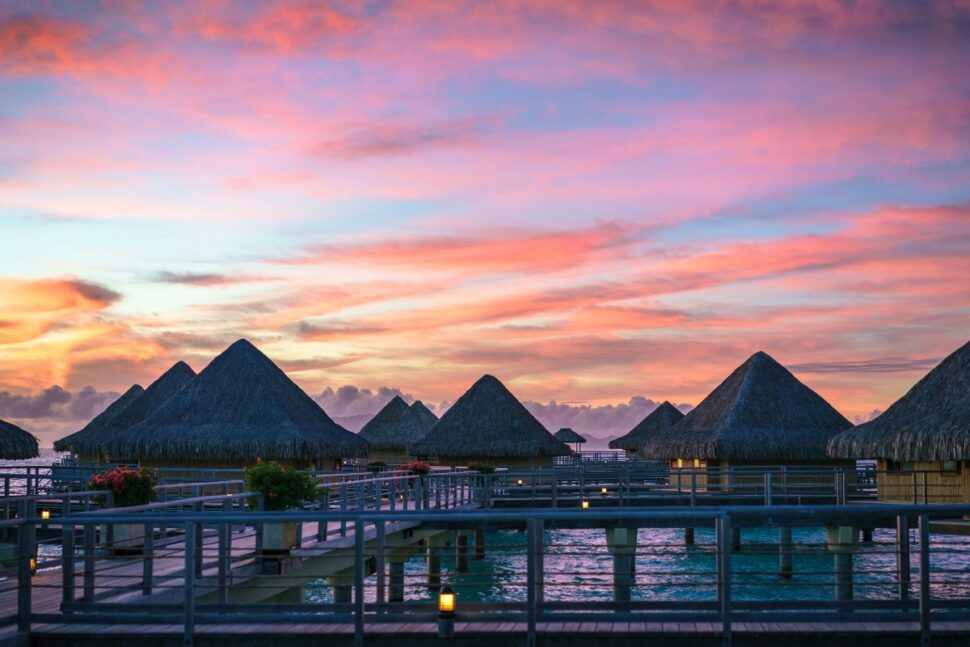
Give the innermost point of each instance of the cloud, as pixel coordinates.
(204, 279)
(349, 400)
(596, 422)
(373, 140)
(31, 308)
(876, 365)
(57, 404)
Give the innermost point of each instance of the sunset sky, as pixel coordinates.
(593, 201)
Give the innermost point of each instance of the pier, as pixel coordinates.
(382, 546)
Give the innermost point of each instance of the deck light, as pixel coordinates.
(33, 564)
(603, 491)
(446, 612)
(519, 482)
(45, 514)
(585, 505)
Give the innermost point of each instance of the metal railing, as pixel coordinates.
(569, 565)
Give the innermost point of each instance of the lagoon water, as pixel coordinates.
(578, 567)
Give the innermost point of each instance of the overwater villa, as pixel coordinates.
(424, 414)
(922, 440)
(127, 411)
(570, 437)
(15, 443)
(488, 424)
(242, 406)
(662, 418)
(395, 427)
(761, 415)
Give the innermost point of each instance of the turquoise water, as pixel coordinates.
(579, 568)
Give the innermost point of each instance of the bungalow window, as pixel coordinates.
(909, 466)
(952, 467)
(697, 462)
(893, 466)
(680, 462)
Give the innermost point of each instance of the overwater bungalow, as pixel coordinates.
(127, 411)
(761, 415)
(15, 443)
(570, 437)
(488, 424)
(424, 414)
(242, 406)
(395, 428)
(923, 435)
(660, 419)
(85, 444)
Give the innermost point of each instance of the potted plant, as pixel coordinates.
(418, 468)
(481, 468)
(128, 487)
(376, 467)
(283, 488)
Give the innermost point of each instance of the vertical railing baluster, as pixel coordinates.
(924, 580)
(902, 559)
(531, 583)
(89, 563)
(67, 564)
(188, 635)
(723, 525)
(359, 565)
(24, 574)
(148, 559)
(380, 566)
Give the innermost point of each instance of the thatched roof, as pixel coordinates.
(488, 422)
(157, 393)
(567, 435)
(424, 414)
(930, 423)
(662, 418)
(15, 443)
(240, 407)
(396, 426)
(760, 412)
(100, 428)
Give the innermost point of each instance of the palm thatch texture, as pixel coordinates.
(662, 418)
(242, 406)
(930, 423)
(760, 412)
(100, 428)
(568, 436)
(15, 443)
(424, 414)
(488, 422)
(396, 426)
(157, 393)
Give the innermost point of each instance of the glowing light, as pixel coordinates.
(45, 514)
(33, 564)
(603, 491)
(585, 505)
(446, 600)
(519, 482)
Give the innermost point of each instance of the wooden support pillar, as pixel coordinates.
(784, 552)
(434, 567)
(735, 538)
(395, 584)
(902, 557)
(867, 535)
(843, 541)
(342, 593)
(479, 544)
(688, 536)
(461, 552)
(622, 545)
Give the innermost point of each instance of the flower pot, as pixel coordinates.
(279, 537)
(127, 536)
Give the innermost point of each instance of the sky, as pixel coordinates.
(605, 204)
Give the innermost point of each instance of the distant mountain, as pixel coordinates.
(353, 423)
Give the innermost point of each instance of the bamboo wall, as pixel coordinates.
(941, 487)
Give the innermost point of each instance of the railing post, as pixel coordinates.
(419, 493)
(148, 560)
(914, 488)
(322, 523)
(924, 580)
(89, 563)
(767, 488)
(225, 537)
(67, 564)
(24, 575)
(693, 488)
(531, 582)
(188, 632)
(380, 565)
(359, 566)
(926, 496)
(723, 524)
(554, 490)
(902, 558)
(258, 527)
(343, 508)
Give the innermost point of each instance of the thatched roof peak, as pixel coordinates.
(396, 426)
(568, 436)
(15, 443)
(488, 422)
(424, 415)
(240, 407)
(99, 428)
(760, 412)
(663, 417)
(930, 423)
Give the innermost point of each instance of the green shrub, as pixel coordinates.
(128, 487)
(283, 488)
(483, 468)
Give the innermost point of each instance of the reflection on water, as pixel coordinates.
(578, 567)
